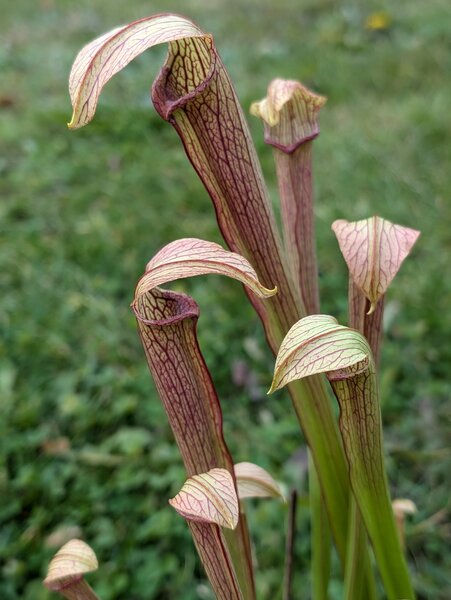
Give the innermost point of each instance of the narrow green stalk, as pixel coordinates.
(353, 572)
(355, 585)
(390, 555)
(320, 538)
(314, 411)
(289, 547)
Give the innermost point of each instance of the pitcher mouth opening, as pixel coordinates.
(169, 92)
(159, 308)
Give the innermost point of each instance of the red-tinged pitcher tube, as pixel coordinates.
(167, 326)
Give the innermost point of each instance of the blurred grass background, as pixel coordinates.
(85, 449)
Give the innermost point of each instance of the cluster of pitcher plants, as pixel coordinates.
(319, 360)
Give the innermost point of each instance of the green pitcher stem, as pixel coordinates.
(357, 585)
(289, 547)
(313, 408)
(320, 537)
